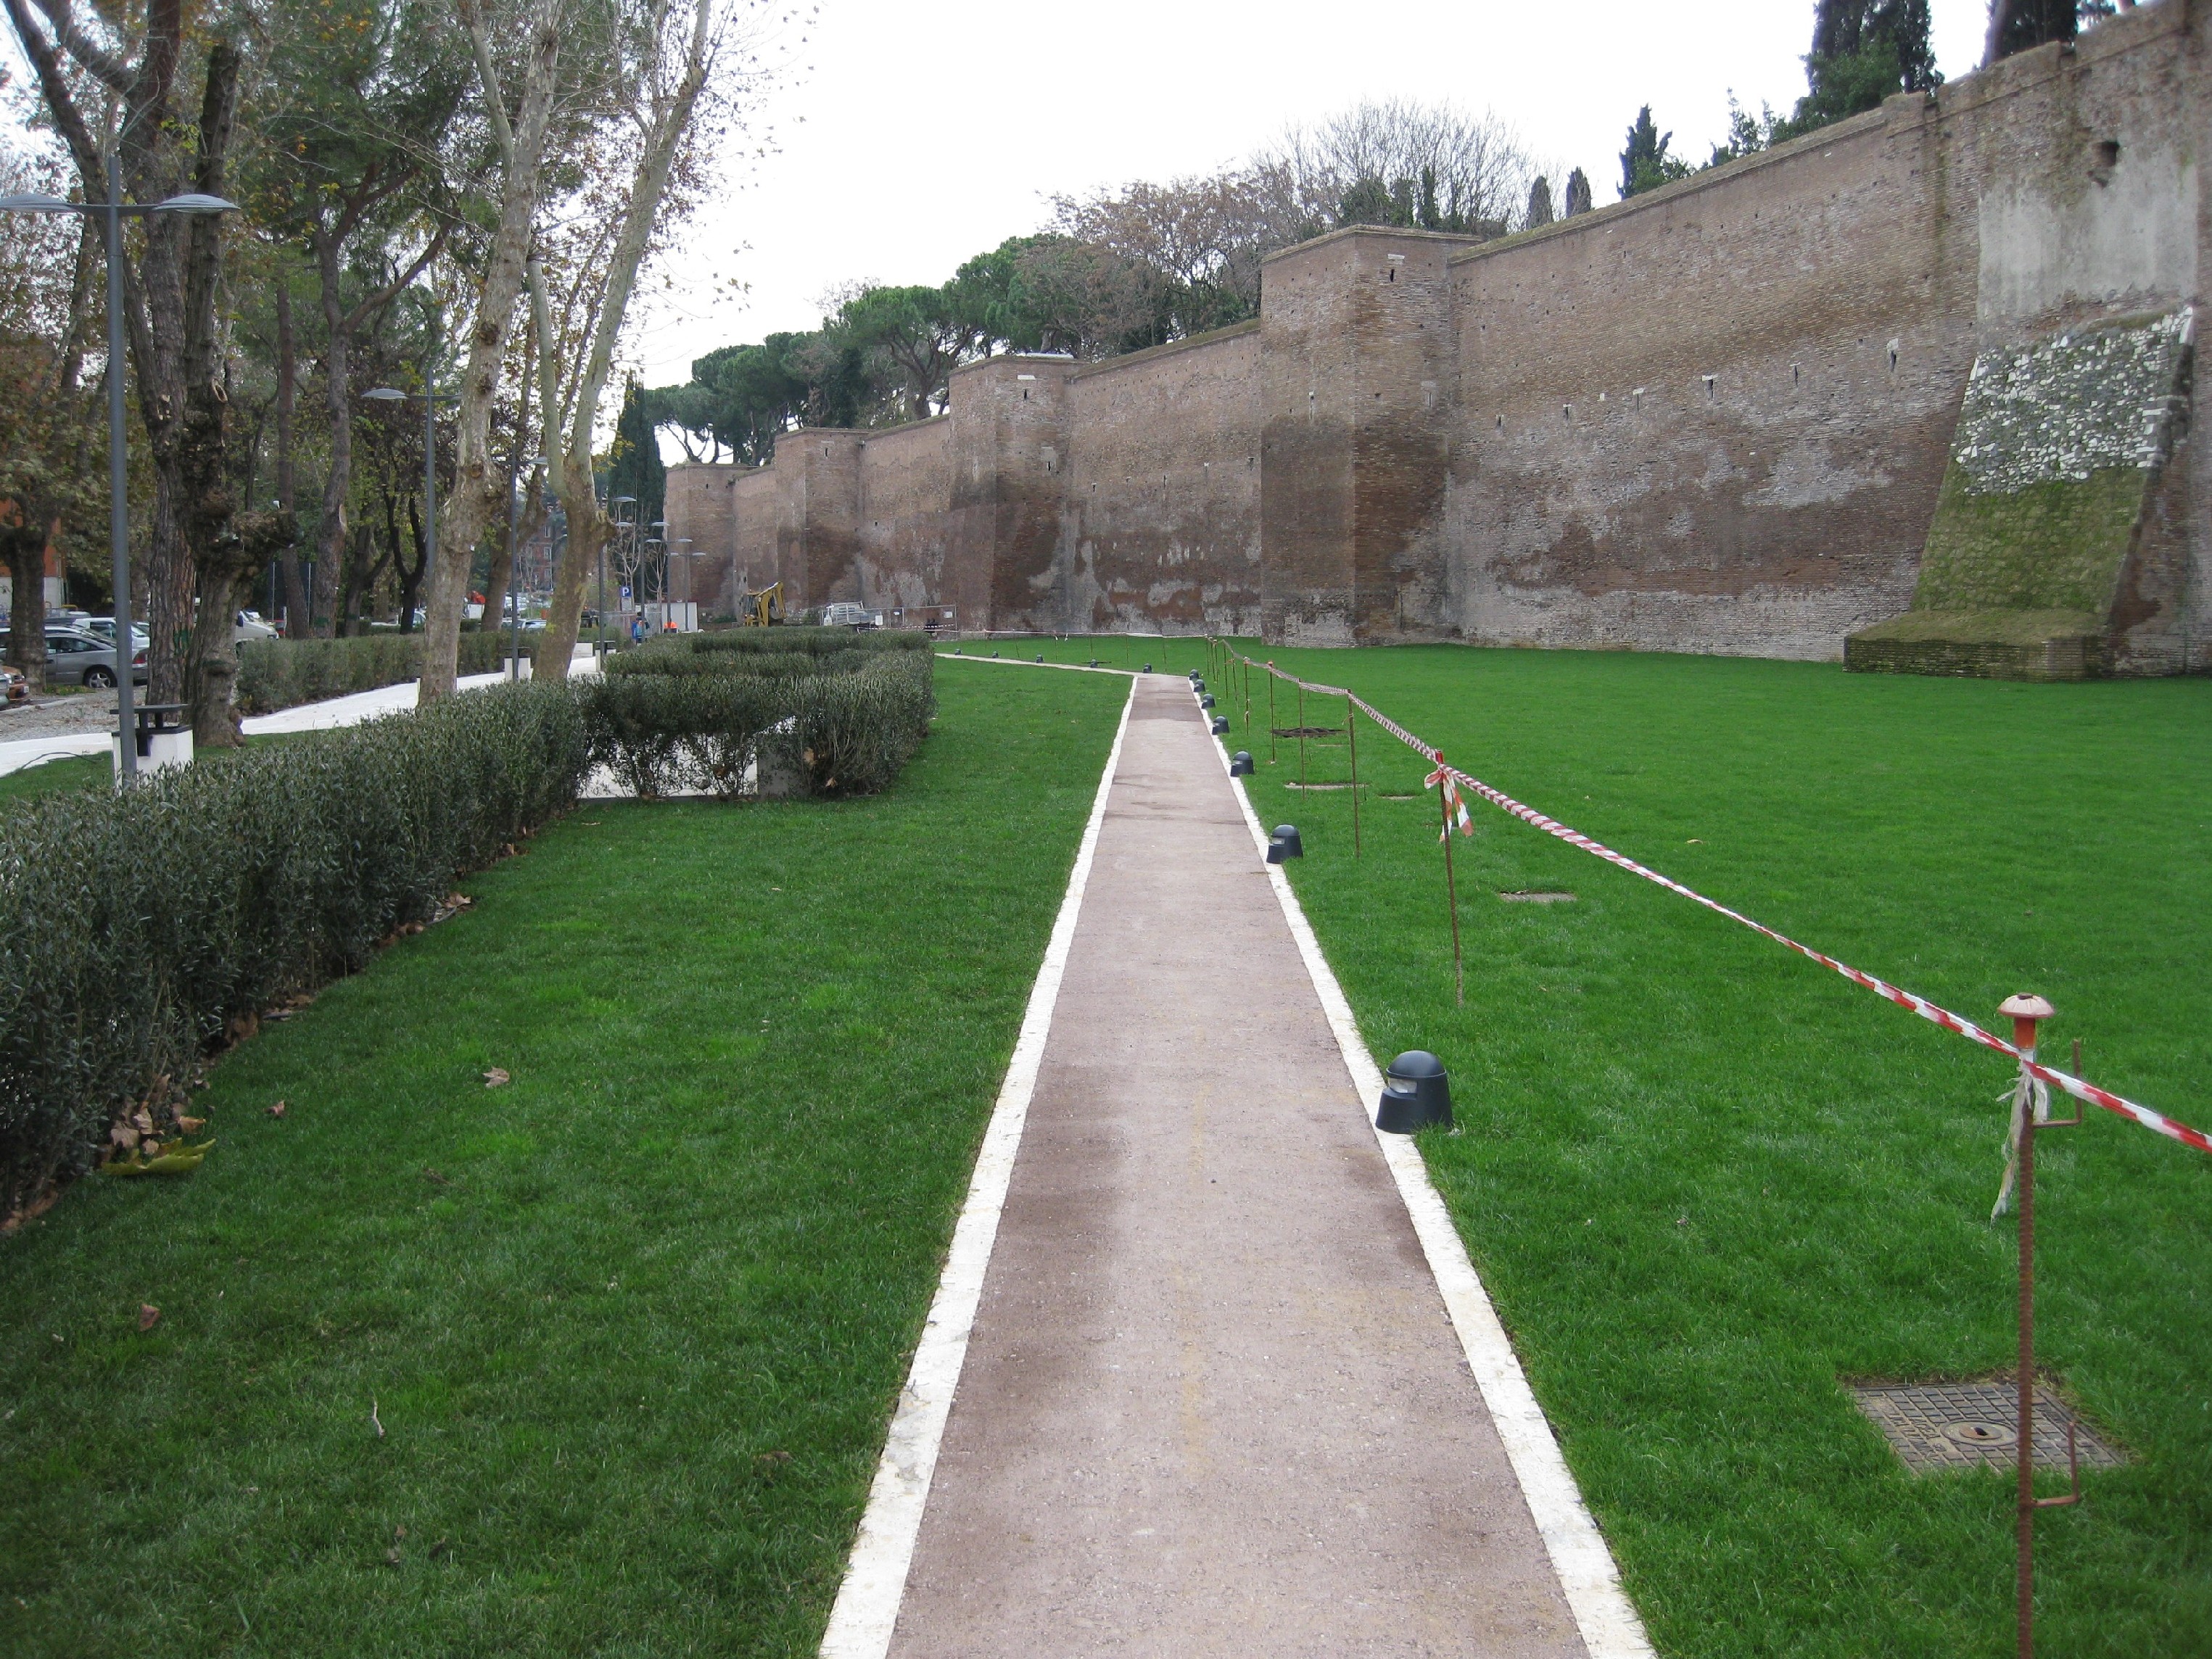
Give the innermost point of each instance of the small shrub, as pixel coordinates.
(669, 717)
(135, 926)
(274, 674)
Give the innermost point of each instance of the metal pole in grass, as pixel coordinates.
(1271, 714)
(1302, 731)
(1351, 738)
(1451, 887)
(2031, 1108)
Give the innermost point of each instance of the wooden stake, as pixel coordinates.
(1451, 892)
(1351, 737)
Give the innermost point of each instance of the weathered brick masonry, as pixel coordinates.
(1717, 417)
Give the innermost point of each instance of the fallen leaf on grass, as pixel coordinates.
(495, 1077)
(152, 1158)
(148, 1313)
(278, 1110)
(432, 1175)
(439, 1549)
(768, 1462)
(192, 1126)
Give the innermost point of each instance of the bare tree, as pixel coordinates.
(535, 31)
(676, 68)
(1470, 171)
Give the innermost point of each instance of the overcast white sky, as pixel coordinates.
(928, 131)
(918, 132)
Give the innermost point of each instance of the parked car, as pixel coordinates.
(248, 625)
(18, 685)
(104, 628)
(75, 657)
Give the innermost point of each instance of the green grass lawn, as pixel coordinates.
(633, 1325)
(1704, 1180)
(48, 777)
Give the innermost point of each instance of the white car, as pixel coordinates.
(246, 625)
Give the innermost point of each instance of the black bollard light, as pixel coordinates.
(1206, 701)
(1197, 685)
(1094, 662)
(1221, 725)
(1148, 668)
(956, 650)
(1416, 1095)
(994, 656)
(1240, 763)
(1040, 656)
(1285, 845)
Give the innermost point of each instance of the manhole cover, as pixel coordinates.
(1956, 1426)
(1538, 898)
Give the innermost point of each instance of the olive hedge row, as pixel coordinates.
(769, 711)
(135, 926)
(275, 674)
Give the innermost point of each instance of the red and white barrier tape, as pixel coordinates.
(1904, 999)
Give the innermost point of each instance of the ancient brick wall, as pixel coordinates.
(1717, 417)
(1161, 524)
(906, 494)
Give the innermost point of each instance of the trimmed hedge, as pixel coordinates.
(138, 927)
(841, 720)
(766, 642)
(274, 674)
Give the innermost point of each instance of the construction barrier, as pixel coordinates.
(1929, 1011)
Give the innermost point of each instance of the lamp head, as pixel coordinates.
(385, 394)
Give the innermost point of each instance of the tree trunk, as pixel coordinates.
(337, 378)
(469, 507)
(587, 525)
(27, 615)
(410, 576)
(501, 576)
(287, 380)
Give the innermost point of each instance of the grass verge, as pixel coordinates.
(1705, 1181)
(631, 1325)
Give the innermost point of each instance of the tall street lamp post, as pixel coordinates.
(113, 210)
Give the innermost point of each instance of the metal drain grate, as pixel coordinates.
(1962, 1426)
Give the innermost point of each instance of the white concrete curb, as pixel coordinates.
(1588, 1576)
(866, 1610)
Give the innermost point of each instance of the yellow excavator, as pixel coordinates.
(763, 609)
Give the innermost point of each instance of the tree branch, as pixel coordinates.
(67, 116)
(392, 290)
(88, 53)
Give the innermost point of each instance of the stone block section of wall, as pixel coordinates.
(2054, 479)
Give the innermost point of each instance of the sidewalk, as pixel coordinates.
(349, 710)
(1212, 1402)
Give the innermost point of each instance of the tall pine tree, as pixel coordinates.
(633, 466)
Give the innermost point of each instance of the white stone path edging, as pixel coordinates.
(866, 1610)
(1588, 1575)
